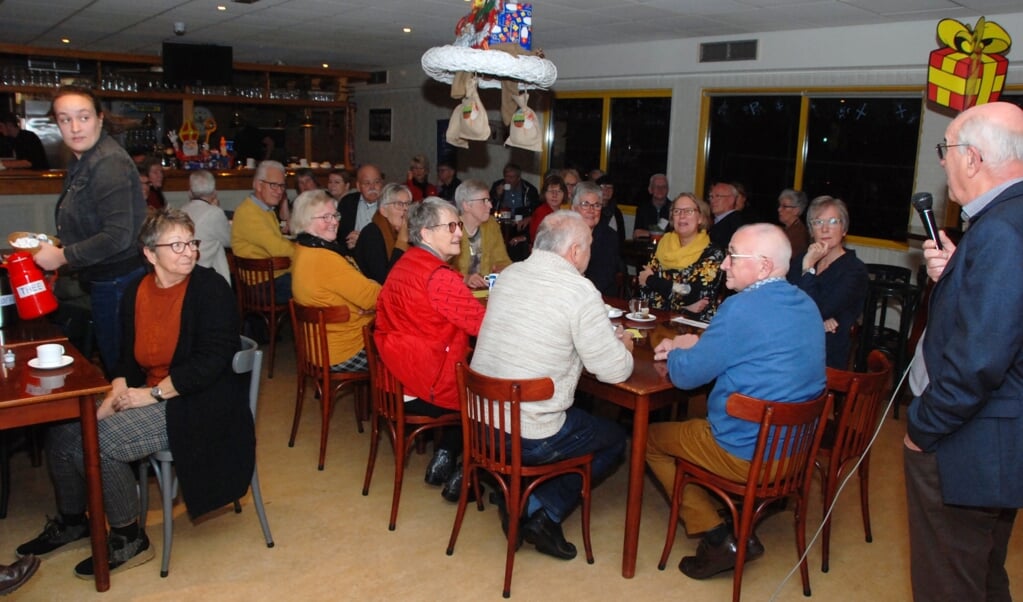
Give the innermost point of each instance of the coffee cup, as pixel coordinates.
(50, 354)
(491, 279)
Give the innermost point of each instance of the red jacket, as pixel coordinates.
(418, 194)
(425, 315)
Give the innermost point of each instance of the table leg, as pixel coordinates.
(637, 467)
(94, 486)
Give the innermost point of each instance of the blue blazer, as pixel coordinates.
(971, 414)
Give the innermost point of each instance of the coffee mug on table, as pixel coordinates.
(50, 354)
(491, 279)
(639, 306)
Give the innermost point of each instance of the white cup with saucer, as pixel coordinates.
(49, 355)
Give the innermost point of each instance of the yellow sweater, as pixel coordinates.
(322, 278)
(256, 234)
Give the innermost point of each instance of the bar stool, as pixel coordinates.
(883, 295)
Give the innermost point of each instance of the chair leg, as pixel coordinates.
(515, 505)
(374, 445)
(299, 400)
(864, 471)
(326, 403)
(804, 571)
(586, 495)
(143, 492)
(167, 490)
(273, 326)
(676, 501)
(463, 501)
(257, 500)
(829, 495)
(399, 474)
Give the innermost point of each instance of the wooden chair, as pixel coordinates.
(388, 411)
(313, 361)
(248, 360)
(253, 281)
(782, 468)
(859, 397)
(491, 410)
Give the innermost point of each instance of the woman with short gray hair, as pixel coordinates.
(482, 250)
(425, 316)
(791, 204)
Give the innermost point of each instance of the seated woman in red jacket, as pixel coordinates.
(418, 170)
(425, 316)
(553, 194)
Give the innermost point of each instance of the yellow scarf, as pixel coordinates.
(673, 256)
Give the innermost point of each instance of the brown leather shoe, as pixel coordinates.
(15, 575)
(711, 560)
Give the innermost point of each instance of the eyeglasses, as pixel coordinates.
(401, 204)
(735, 256)
(330, 217)
(590, 206)
(788, 207)
(274, 185)
(832, 221)
(178, 246)
(483, 200)
(942, 149)
(684, 211)
(451, 226)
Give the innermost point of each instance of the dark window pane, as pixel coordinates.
(577, 133)
(753, 140)
(863, 150)
(639, 144)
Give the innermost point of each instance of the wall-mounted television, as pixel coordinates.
(197, 64)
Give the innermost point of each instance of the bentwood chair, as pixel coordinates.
(248, 360)
(858, 397)
(388, 412)
(782, 468)
(313, 361)
(491, 417)
(253, 280)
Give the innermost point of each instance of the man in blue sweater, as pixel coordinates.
(767, 342)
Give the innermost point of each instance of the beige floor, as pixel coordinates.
(333, 543)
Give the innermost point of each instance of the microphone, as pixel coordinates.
(922, 202)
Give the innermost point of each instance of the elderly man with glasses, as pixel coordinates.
(255, 229)
(606, 258)
(724, 198)
(766, 341)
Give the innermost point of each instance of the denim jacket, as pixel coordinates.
(100, 212)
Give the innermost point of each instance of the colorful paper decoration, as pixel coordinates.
(513, 26)
(970, 69)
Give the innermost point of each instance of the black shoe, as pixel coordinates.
(123, 554)
(547, 536)
(710, 559)
(15, 575)
(453, 487)
(441, 467)
(55, 536)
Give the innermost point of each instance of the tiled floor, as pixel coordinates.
(333, 543)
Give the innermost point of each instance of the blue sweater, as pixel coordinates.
(766, 342)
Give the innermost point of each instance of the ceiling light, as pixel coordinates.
(65, 40)
(221, 7)
(406, 29)
(325, 65)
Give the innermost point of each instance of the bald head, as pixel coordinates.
(984, 149)
(770, 241)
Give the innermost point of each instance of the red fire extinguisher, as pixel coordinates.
(32, 294)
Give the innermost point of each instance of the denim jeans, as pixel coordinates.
(106, 315)
(581, 434)
(282, 288)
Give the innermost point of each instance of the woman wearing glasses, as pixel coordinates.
(553, 193)
(173, 388)
(482, 248)
(791, 204)
(382, 242)
(425, 316)
(685, 272)
(321, 276)
(832, 275)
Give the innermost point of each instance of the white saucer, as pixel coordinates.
(614, 312)
(640, 318)
(64, 361)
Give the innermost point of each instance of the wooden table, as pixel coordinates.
(648, 389)
(30, 396)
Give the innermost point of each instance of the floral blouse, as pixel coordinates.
(704, 277)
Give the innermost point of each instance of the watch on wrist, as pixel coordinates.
(157, 394)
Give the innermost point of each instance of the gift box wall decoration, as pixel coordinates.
(970, 67)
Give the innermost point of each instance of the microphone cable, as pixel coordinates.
(848, 476)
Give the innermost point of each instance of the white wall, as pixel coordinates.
(843, 57)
